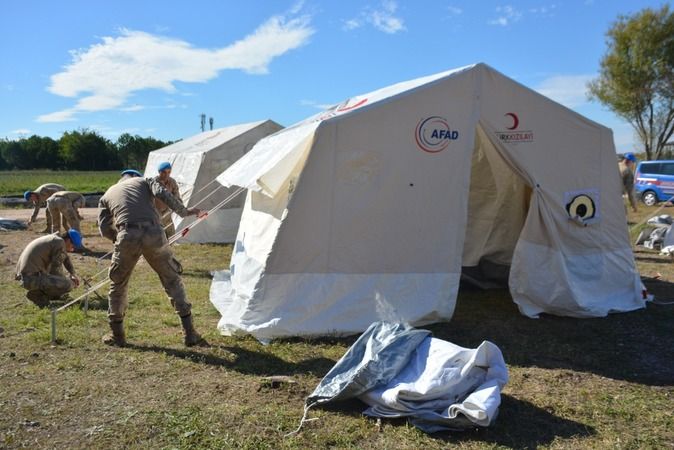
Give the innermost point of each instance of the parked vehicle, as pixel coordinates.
(654, 181)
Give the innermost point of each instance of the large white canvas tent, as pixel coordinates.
(370, 210)
(196, 162)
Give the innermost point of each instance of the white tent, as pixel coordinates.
(370, 210)
(196, 162)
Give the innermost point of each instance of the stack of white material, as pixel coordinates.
(443, 386)
(401, 371)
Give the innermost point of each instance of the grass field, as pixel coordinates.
(16, 182)
(599, 383)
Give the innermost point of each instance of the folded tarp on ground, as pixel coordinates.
(400, 371)
(12, 224)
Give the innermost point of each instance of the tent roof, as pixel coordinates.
(209, 140)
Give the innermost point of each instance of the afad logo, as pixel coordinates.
(512, 135)
(433, 134)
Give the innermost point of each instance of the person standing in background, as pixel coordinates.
(170, 185)
(627, 176)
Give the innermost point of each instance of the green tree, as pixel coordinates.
(44, 151)
(636, 77)
(87, 150)
(133, 150)
(15, 156)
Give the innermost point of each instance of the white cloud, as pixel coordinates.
(506, 15)
(544, 11)
(454, 11)
(383, 18)
(103, 76)
(59, 116)
(132, 108)
(21, 131)
(569, 90)
(315, 104)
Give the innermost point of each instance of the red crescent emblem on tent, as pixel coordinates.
(516, 120)
(355, 105)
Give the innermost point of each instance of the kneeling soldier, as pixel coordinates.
(39, 267)
(129, 219)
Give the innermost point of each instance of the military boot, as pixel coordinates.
(38, 297)
(192, 338)
(116, 337)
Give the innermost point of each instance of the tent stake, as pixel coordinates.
(53, 326)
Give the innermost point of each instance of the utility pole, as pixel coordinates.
(210, 121)
(203, 122)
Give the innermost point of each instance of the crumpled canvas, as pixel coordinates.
(403, 372)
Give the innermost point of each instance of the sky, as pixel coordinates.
(153, 67)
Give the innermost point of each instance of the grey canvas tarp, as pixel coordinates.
(400, 371)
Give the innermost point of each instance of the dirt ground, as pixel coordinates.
(25, 213)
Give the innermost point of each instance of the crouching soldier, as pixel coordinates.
(129, 219)
(39, 267)
(39, 198)
(66, 204)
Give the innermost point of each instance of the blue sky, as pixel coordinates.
(152, 67)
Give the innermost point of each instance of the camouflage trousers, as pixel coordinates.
(146, 239)
(43, 287)
(59, 206)
(48, 218)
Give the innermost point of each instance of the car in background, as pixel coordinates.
(654, 181)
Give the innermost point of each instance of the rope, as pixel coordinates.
(98, 260)
(664, 204)
(171, 240)
(303, 420)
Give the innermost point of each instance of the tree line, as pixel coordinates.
(77, 150)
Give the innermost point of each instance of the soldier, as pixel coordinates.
(39, 267)
(627, 177)
(129, 219)
(170, 185)
(39, 198)
(65, 203)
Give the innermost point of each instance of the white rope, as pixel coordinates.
(98, 260)
(172, 239)
(303, 420)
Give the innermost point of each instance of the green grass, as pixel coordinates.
(16, 182)
(598, 383)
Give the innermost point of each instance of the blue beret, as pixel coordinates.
(75, 237)
(630, 157)
(27, 195)
(163, 166)
(132, 172)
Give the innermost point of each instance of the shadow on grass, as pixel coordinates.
(521, 425)
(654, 259)
(634, 346)
(245, 361)
(97, 254)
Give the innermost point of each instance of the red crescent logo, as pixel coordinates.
(516, 120)
(354, 106)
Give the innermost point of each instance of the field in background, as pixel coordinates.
(16, 182)
(598, 383)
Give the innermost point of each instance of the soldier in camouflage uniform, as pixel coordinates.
(66, 204)
(39, 267)
(39, 198)
(170, 185)
(129, 219)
